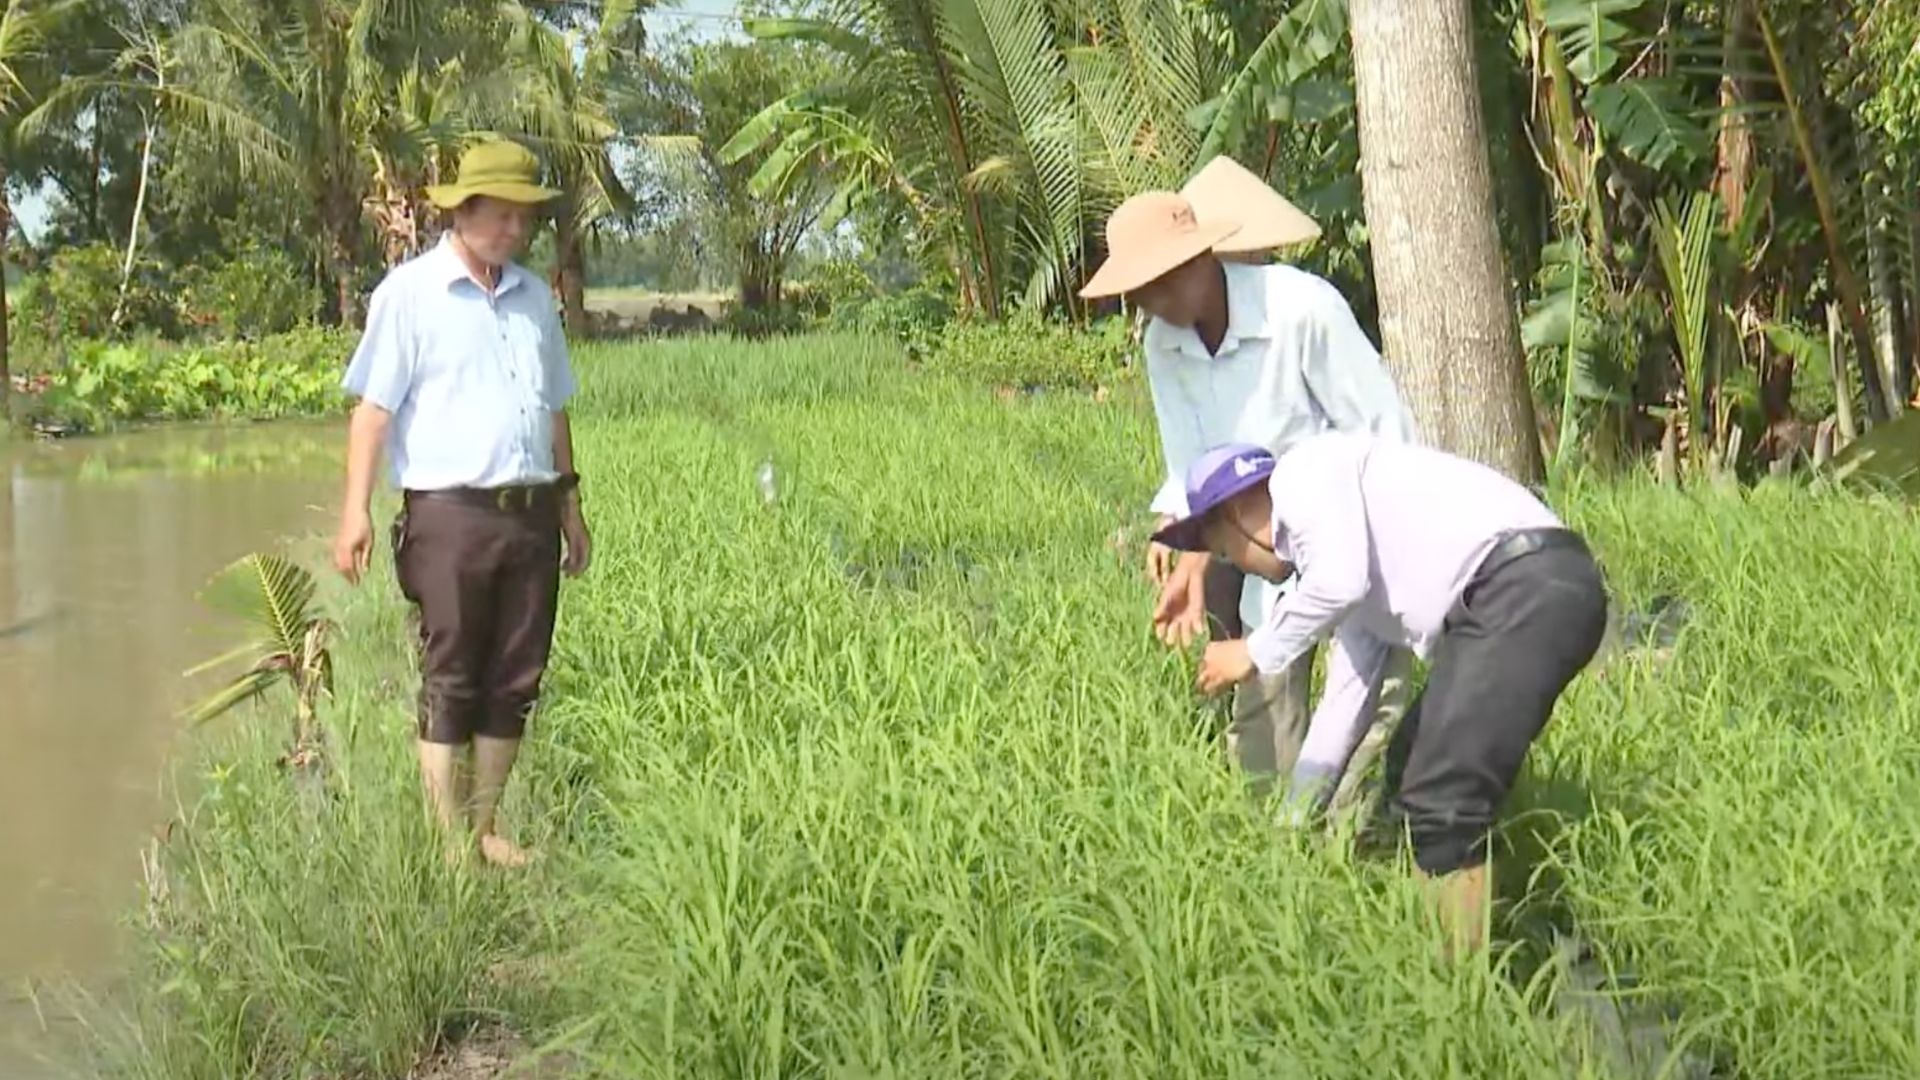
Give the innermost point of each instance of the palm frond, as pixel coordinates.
(1685, 243)
(271, 592)
(1039, 124)
(24, 26)
(247, 687)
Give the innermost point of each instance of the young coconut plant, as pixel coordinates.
(276, 596)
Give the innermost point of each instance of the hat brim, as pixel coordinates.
(450, 196)
(1186, 534)
(1189, 533)
(1118, 276)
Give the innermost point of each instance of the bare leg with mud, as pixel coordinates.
(526, 599)
(492, 763)
(444, 775)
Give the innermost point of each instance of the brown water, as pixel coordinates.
(104, 545)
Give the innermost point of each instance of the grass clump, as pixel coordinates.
(870, 768)
(289, 933)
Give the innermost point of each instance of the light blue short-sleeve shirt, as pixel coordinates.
(472, 380)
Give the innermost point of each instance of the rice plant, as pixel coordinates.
(885, 776)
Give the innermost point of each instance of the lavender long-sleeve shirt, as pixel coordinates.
(1385, 536)
(1293, 363)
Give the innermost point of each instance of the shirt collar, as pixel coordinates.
(450, 269)
(1246, 313)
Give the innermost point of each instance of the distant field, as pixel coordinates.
(640, 304)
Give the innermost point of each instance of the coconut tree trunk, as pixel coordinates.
(1912, 301)
(1733, 169)
(340, 219)
(570, 265)
(1882, 294)
(1842, 388)
(6, 369)
(756, 279)
(1447, 318)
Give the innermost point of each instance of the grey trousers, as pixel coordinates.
(1520, 633)
(1271, 713)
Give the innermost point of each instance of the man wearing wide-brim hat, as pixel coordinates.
(463, 379)
(1238, 351)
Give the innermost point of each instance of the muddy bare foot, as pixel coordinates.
(499, 851)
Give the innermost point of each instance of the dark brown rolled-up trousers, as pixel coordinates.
(482, 569)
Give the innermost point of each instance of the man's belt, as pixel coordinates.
(1524, 542)
(513, 497)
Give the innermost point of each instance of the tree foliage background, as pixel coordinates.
(1706, 204)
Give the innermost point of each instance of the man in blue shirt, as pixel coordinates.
(1238, 353)
(463, 378)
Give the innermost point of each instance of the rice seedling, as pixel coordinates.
(883, 775)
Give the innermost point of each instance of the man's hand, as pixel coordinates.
(353, 545)
(1181, 616)
(1161, 559)
(1226, 665)
(579, 543)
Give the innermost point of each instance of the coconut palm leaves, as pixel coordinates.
(1017, 79)
(1685, 243)
(275, 597)
(903, 117)
(24, 25)
(1147, 71)
(907, 93)
(561, 82)
(1012, 128)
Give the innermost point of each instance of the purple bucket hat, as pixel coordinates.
(1213, 478)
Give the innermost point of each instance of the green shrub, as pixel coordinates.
(256, 293)
(32, 344)
(829, 287)
(914, 318)
(291, 374)
(757, 323)
(82, 287)
(1028, 353)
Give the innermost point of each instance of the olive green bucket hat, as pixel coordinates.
(498, 169)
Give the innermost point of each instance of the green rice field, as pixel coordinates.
(878, 772)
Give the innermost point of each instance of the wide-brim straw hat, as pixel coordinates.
(497, 169)
(1226, 189)
(1149, 235)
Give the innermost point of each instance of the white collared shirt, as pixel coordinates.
(1385, 537)
(1293, 363)
(472, 379)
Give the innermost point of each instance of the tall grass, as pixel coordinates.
(885, 777)
(292, 935)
